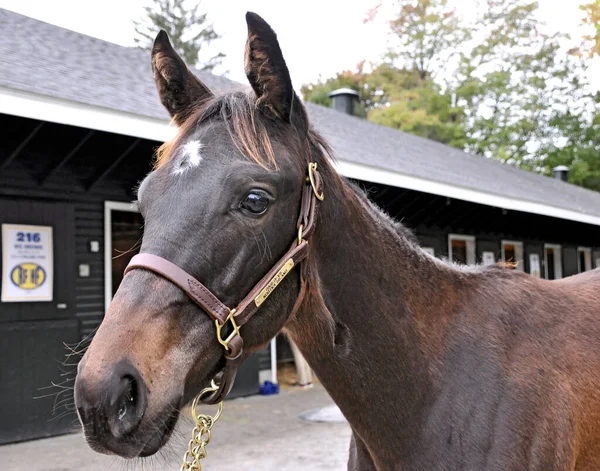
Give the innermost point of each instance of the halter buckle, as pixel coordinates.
(312, 168)
(236, 329)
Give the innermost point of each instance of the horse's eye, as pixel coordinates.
(256, 202)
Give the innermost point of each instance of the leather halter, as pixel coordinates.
(312, 192)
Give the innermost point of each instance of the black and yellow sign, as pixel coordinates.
(28, 276)
(27, 263)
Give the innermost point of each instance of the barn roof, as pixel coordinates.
(53, 74)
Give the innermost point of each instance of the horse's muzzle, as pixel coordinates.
(111, 406)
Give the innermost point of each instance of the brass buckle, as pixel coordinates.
(300, 235)
(236, 329)
(311, 169)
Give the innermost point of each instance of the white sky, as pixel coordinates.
(318, 37)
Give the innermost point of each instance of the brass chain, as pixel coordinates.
(201, 434)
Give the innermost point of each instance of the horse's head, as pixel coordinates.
(222, 204)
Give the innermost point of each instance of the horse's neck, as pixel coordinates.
(375, 345)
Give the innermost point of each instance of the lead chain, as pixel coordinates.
(201, 434)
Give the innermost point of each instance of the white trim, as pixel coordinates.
(274, 360)
(519, 254)
(557, 248)
(470, 240)
(108, 207)
(587, 251)
(56, 110)
(393, 178)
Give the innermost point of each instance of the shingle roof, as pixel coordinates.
(47, 60)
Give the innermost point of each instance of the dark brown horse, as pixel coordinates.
(436, 367)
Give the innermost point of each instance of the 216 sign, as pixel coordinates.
(27, 263)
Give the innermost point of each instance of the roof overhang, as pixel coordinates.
(392, 178)
(56, 110)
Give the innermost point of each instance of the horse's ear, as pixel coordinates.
(268, 74)
(179, 89)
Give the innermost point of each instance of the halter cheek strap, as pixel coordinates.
(312, 193)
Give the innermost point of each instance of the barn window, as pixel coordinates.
(512, 252)
(584, 259)
(461, 248)
(552, 261)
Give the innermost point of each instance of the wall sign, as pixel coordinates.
(27, 263)
(488, 258)
(534, 265)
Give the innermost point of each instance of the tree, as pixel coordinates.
(397, 98)
(427, 34)
(401, 91)
(579, 148)
(501, 86)
(188, 29)
(514, 82)
(319, 92)
(591, 44)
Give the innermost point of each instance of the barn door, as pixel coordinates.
(33, 333)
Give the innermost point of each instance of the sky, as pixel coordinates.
(318, 37)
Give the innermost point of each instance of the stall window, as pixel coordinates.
(512, 253)
(461, 248)
(584, 259)
(552, 261)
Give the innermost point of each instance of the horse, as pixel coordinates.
(435, 366)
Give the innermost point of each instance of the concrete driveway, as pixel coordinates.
(254, 434)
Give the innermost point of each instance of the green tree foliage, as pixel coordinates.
(397, 98)
(580, 150)
(319, 92)
(427, 34)
(401, 91)
(188, 29)
(513, 82)
(500, 85)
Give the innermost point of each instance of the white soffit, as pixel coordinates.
(56, 110)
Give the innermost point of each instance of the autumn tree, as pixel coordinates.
(319, 91)
(502, 85)
(591, 20)
(426, 35)
(187, 26)
(401, 91)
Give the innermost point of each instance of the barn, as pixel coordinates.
(80, 120)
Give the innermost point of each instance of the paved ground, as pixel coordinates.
(254, 434)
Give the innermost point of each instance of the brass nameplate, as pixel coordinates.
(280, 275)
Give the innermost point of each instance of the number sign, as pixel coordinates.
(27, 263)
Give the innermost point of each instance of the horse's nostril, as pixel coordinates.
(112, 405)
(128, 398)
(128, 404)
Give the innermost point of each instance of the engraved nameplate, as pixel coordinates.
(280, 275)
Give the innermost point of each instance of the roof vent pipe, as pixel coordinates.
(344, 99)
(561, 172)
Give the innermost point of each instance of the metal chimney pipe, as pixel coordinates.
(561, 172)
(344, 99)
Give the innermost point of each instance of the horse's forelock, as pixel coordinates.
(239, 111)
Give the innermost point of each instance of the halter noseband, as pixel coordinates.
(312, 192)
